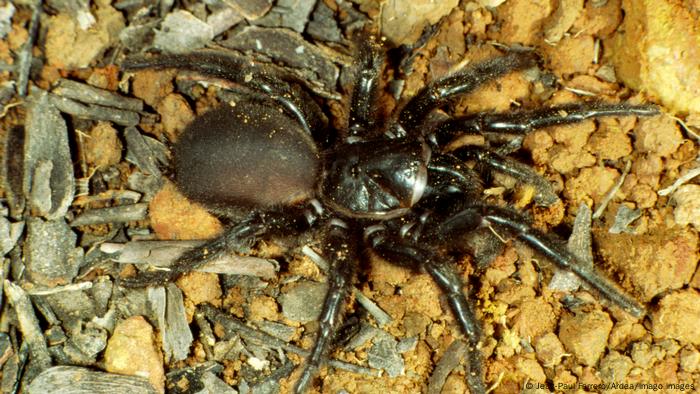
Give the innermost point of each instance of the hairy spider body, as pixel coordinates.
(389, 189)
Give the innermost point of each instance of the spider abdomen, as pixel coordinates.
(245, 156)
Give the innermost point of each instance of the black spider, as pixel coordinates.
(384, 185)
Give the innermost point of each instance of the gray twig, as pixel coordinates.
(233, 325)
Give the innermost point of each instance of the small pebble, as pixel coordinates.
(182, 32)
(302, 301)
(384, 354)
(585, 335)
(678, 317)
(687, 200)
(120, 357)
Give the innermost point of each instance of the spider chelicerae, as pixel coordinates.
(381, 184)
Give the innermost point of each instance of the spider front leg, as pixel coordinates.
(285, 90)
(401, 252)
(490, 160)
(523, 122)
(476, 216)
(341, 248)
(438, 93)
(365, 88)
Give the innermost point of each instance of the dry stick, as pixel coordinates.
(449, 361)
(28, 325)
(232, 324)
(25, 54)
(679, 182)
(609, 196)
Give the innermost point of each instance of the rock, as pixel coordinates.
(200, 287)
(222, 19)
(690, 359)
(403, 22)
(657, 50)
(6, 13)
(687, 200)
(63, 379)
(624, 333)
(263, 307)
(103, 148)
(277, 330)
(562, 19)
(534, 317)
(303, 301)
(600, 18)
(323, 25)
(120, 356)
(145, 152)
(292, 14)
(530, 368)
(560, 59)
(585, 335)
(168, 307)
(250, 9)
(648, 169)
(68, 46)
(175, 217)
(152, 86)
(615, 367)
(610, 142)
(182, 32)
(384, 354)
(89, 341)
(175, 115)
(659, 135)
(678, 317)
(415, 323)
(522, 20)
(71, 306)
(423, 295)
(51, 256)
(591, 185)
(549, 350)
(645, 355)
(48, 177)
(659, 261)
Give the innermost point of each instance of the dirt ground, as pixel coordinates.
(537, 339)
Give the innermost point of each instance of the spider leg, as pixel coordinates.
(480, 215)
(437, 93)
(234, 239)
(523, 122)
(399, 251)
(341, 245)
(450, 183)
(365, 88)
(545, 195)
(284, 89)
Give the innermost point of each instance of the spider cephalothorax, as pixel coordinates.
(385, 186)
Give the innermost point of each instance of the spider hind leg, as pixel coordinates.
(341, 247)
(401, 252)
